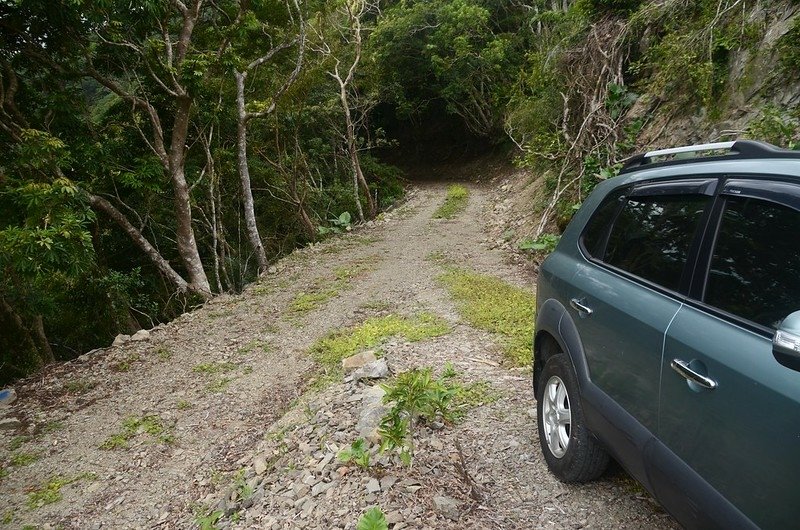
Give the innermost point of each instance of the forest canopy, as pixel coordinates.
(154, 154)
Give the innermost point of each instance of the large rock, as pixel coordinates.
(371, 414)
(358, 360)
(377, 369)
(120, 339)
(141, 335)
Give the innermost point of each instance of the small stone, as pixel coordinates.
(320, 487)
(141, 335)
(373, 486)
(272, 270)
(447, 507)
(260, 465)
(373, 370)
(369, 421)
(387, 482)
(324, 462)
(120, 339)
(8, 424)
(358, 360)
(7, 396)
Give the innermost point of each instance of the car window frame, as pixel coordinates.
(750, 186)
(706, 185)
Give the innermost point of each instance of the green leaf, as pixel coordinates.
(373, 519)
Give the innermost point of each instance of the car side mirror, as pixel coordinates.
(786, 343)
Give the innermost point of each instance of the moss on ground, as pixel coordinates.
(454, 203)
(491, 304)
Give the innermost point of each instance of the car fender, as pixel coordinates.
(554, 319)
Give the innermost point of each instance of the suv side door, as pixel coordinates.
(737, 426)
(623, 298)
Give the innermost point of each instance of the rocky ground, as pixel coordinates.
(214, 420)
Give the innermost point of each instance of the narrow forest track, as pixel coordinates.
(159, 433)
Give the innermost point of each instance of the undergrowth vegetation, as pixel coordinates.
(493, 305)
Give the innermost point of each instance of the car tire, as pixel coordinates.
(570, 450)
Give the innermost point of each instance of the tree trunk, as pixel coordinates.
(352, 149)
(41, 349)
(187, 245)
(163, 266)
(244, 175)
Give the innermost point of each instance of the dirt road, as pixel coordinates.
(211, 420)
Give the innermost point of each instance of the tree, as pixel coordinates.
(244, 116)
(348, 18)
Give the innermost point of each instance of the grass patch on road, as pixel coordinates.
(330, 350)
(454, 203)
(151, 425)
(493, 305)
(327, 288)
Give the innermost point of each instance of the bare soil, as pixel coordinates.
(228, 384)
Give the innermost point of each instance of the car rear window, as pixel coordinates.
(651, 236)
(755, 267)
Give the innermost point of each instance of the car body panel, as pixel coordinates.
(743, 437)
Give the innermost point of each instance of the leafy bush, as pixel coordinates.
(416, 396)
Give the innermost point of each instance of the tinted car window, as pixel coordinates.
(652, 235)
(755, 268)
(596, 235)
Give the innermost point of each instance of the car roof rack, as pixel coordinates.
(738, 150)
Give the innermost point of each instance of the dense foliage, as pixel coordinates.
(156, 153)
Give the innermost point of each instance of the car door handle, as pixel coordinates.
(682, 367)
(580, 307)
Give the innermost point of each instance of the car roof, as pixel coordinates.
(741, 156)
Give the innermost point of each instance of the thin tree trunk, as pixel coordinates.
(244, 175)
(352, 150)
(41, 339)
(187, 245)
(27, 335)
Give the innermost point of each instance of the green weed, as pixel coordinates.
(23, 459)
(491, 304)
(50, 491)
(184, 405)
(125, 364)
(8, 517)
(545, 243)
(253, 345)
(454, 203)
(356, 453)
(164, 354)
(52, 426)
(373, 519)
(17, 441)
(79, 386)
(219, 386)
(213, 368)
(416, 396)
(209, 520)
(132, 426)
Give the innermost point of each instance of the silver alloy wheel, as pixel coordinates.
(556, 416)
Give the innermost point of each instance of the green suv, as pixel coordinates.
(668, 334)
